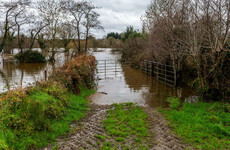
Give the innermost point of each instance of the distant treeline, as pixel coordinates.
(27, 24)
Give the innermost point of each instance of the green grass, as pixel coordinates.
(101, 137)
(203, 125)
(34, 120)
(174, 102)
(127, 122)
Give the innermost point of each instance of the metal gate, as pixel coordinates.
(108, 69)
(164, 73)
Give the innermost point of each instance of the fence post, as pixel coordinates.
(105, 68)
(165, 74)
(152, 69)
(141, 64)
(115, 68)
(45, 75)
(175, 76)
(157, 71)
(147, 66)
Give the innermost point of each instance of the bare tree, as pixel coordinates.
(66, 34)
(34, 32)
(50, 12)
(8, 9)
(21, 18)
(77, 10)
(91, 21)
(181, 30)
(209, 36)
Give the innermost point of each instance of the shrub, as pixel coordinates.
(76, 73)
(30, 56)
(30, 111)
(35, 116)
(31, 118)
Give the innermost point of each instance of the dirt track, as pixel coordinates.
(82, 135)
(164, 138)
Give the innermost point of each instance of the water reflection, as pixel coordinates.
(13, 75)
(131, 85)
(126, 85)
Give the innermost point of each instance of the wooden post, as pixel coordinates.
(105, 68)
(141, 64)
(147, 66)
(45, 75)
(152, 69)
(115, 68)
(175, 76)
(157, 71)
(165, 74)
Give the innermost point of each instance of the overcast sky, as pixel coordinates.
(116, 15)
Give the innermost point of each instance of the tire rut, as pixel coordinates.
(82, 135)
(91, 125)
(165, 140)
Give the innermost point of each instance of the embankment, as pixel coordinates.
(35, 116)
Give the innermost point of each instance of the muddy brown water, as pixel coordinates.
(13, 75)
(125, 85)
(131, 85)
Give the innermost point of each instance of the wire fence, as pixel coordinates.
(164, 73)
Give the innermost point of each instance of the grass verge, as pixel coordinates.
(203, 125)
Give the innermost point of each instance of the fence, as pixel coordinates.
(164, 73)
(108, 68)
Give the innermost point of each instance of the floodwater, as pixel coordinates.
(119, 83)
(127, 84)
(13, 75)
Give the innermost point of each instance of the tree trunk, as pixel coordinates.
(5, 34)
(79, 38)
(86, 41)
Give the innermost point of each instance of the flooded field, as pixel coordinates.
(13, 75)
(119, 83)
(126, 84)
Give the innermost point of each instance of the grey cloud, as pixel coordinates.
(116, 15)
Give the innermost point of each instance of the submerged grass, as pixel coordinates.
(203, 125)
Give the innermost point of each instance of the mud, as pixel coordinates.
(165, 139)
(82, 134)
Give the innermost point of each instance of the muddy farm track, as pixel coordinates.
(141, 127)
(83, 133)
